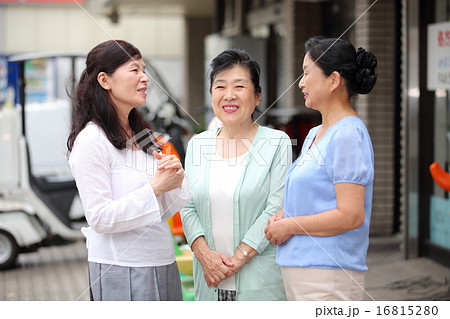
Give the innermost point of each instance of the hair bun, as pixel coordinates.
(366, 74)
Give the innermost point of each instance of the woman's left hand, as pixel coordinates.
(239, 259)
(277, 232)
(169, 162)
(237, 263)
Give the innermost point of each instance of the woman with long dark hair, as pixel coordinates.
(323, 232)
(128, 189)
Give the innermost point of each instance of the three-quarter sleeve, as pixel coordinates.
(274, 193)
(192, 225)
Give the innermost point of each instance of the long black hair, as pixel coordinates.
(358, 68)
(90, 102)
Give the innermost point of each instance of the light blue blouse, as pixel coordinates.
(344, 154)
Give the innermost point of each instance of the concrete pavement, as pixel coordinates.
(60, 273)
(391, 277)
(51, 273)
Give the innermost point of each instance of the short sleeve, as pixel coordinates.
(349, 157)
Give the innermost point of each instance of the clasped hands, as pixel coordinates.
(169, 174)
(216, 265)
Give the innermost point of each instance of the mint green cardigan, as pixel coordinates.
(258, 195)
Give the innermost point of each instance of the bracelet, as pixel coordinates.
(245, 253)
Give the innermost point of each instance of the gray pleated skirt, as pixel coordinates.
(117, 283)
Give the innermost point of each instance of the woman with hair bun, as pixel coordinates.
(323, 231)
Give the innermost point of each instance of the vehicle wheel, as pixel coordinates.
(8, 250)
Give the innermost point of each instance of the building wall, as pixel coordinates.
(46, 28)
(307, 22)
(196, 30)
(375, 31)
(63, 28)
(2, 29)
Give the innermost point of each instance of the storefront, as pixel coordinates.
(426, 127)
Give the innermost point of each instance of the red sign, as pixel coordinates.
(444, 38)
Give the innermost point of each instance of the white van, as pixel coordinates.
(39, 202)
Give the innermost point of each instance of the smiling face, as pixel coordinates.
(233, 96)
(313, 84)
(127, 85)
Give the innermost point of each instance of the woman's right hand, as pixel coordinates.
(215, 264)
(168, 176)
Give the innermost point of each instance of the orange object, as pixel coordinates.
(441, 177)
(177, 226)
(169, 149)
(175, 221)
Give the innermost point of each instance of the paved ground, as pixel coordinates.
(51, 273)
(391, 277)
(60, 273)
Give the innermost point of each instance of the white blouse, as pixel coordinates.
(225, 174)
(128, 223)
